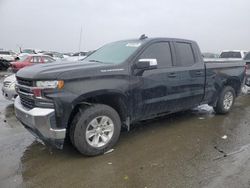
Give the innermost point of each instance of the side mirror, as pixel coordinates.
(146, 64)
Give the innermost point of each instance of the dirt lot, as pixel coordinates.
(191, 149)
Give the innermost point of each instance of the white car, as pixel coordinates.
(7, 55)
(77, 56)
(233, 54)
(8, 89)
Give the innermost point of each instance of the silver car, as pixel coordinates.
(8, 89)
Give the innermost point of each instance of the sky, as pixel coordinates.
(56, 24)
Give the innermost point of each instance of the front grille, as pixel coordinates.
(24, 90)
(6, 84)
(28, 103)
(24, 82)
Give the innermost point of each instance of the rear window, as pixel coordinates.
(185, 55)
(230, 55)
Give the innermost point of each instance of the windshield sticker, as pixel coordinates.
(134, 45)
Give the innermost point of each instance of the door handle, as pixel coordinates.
(172, 75)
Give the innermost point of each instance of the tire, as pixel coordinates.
(99, 121)
(225, 101)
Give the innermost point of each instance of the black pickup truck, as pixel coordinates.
(121, 83)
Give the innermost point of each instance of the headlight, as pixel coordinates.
(12, 85)
(50, 84)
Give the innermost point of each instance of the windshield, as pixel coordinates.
(230, 55)
(28, 51)
(115, 53)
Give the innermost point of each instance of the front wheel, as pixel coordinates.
(95, 130)
(225, 101)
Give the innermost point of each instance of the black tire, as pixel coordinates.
(80, 124)
(220, 108)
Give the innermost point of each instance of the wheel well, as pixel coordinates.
(235, 84)
(115, 101)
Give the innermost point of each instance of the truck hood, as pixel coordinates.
(61, 70)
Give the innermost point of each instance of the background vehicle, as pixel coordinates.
(210, 55)
(5, 58)
(30, 60)
(8, 89)
(30, 51)
(233, 54)
(77, 56)
(246, 88)
(7, 55)
(119, 84)
(55, 55)
(4, 65)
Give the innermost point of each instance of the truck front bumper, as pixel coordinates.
(40, 122)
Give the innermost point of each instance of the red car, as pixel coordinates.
(30, 60)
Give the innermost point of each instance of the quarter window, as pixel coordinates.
(159, 51)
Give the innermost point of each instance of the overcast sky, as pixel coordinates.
(56, 24)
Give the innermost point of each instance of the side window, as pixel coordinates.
(32, 60)
(35, 59)
(185, 55)
(159, 51)
(40, 59)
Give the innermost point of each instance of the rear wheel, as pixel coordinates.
(95, 130)
(225, 101)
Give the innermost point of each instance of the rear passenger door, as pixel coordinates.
(189, 70)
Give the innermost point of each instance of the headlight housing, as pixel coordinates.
(50, 84)
(12, 85)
